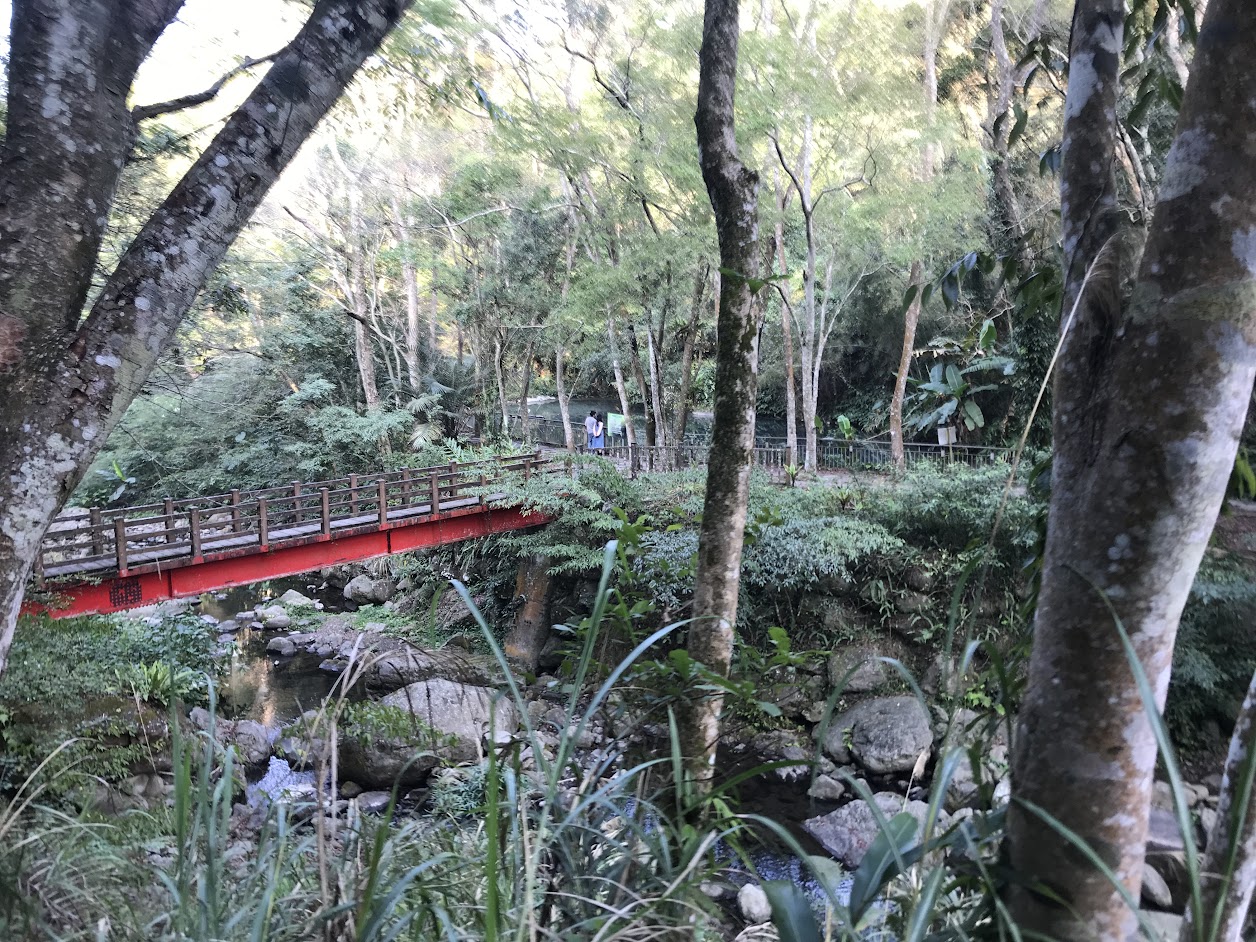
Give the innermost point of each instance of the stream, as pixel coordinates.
(274, 690)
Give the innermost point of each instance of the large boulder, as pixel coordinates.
(406, 664)
(295, 599)
(848, 832)
(462, 713)
(382, 762)
(884, 735)
(367, 591)
(869, 672)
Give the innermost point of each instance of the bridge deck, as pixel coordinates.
(106, 560)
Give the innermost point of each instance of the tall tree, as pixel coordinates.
(1150, 397)
(734, 192)
(935, 24)
(66, 377)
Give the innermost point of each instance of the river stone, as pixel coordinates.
(964, 731)
(754, 905)
(869, 672)
(1165, 927)
(367, 591)
(826, 788)
(848, 832)
(460, 711)
(296, 599)
(1156, 891)
(252, 741)
(374, 802)
(408, 664)
(277, 622)
(884, 736)
(281, 646)
(383, 763)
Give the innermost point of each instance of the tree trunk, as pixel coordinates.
(364, 353)
(911, 319)
(410, 276)
(685, 393)
(66, 380)
(432, 311)
(499, 370)
(620, 386)
(523, 392)
(1228, 873)
(656, 389)
(734, 192)
(564, 399)
(1149, 403)
(643, 386)
(787, 333)
(531, 629)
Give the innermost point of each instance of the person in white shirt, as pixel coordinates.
(590, 429)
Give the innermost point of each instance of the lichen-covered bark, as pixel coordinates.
(733, 190)
(1229, 867)
(911, 318)
(64, 379)
(1149, 402)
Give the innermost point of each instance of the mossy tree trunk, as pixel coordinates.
(734, 192)
(1150, 397)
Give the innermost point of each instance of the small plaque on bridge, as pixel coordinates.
(125, 592)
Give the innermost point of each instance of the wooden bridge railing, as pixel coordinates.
(101, 540)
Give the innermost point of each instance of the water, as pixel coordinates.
(259, 685)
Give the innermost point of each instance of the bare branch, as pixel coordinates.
(146, 112)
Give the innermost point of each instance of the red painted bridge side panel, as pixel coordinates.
(194, 577)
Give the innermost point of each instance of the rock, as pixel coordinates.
(1208, 823)
(943, 678)
(784, 745)
(919, 579)
(869, 673)
(1155, 891)
(350, 789)
(281, 646)
(961, 732)
(408, 664)
(460, 712)
(277, 622)
(295, 599)
(848, 832)
(270, 611)
(912, 603)
(1165, 927)
(1162, 832)
(367, 591)
(1162, 796)
(753, 904)
(884, 735)
(252, 741)
(766, 932)
(826, 788)
(715, 890)
(1175, 880)
(374, 802)
(245, 617)
(208, 619)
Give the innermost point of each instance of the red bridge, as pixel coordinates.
(108, 560)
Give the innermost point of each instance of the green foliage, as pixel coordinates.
(160, 682)
(797, 554)
(65, 661)
(1215, 654)
(953, 509)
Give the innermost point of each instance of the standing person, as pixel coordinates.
(590, 429)
(599, 433)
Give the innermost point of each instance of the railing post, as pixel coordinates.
(119, 543)
(405, 487)
(527, 468)
(324, 510)
(353, 495)
(235, 510)
(296, 502)
(435, 496)
(381, 490)
(195, 519)
(98, 538)
(263, 525)
(167, 507)
(483, 484)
